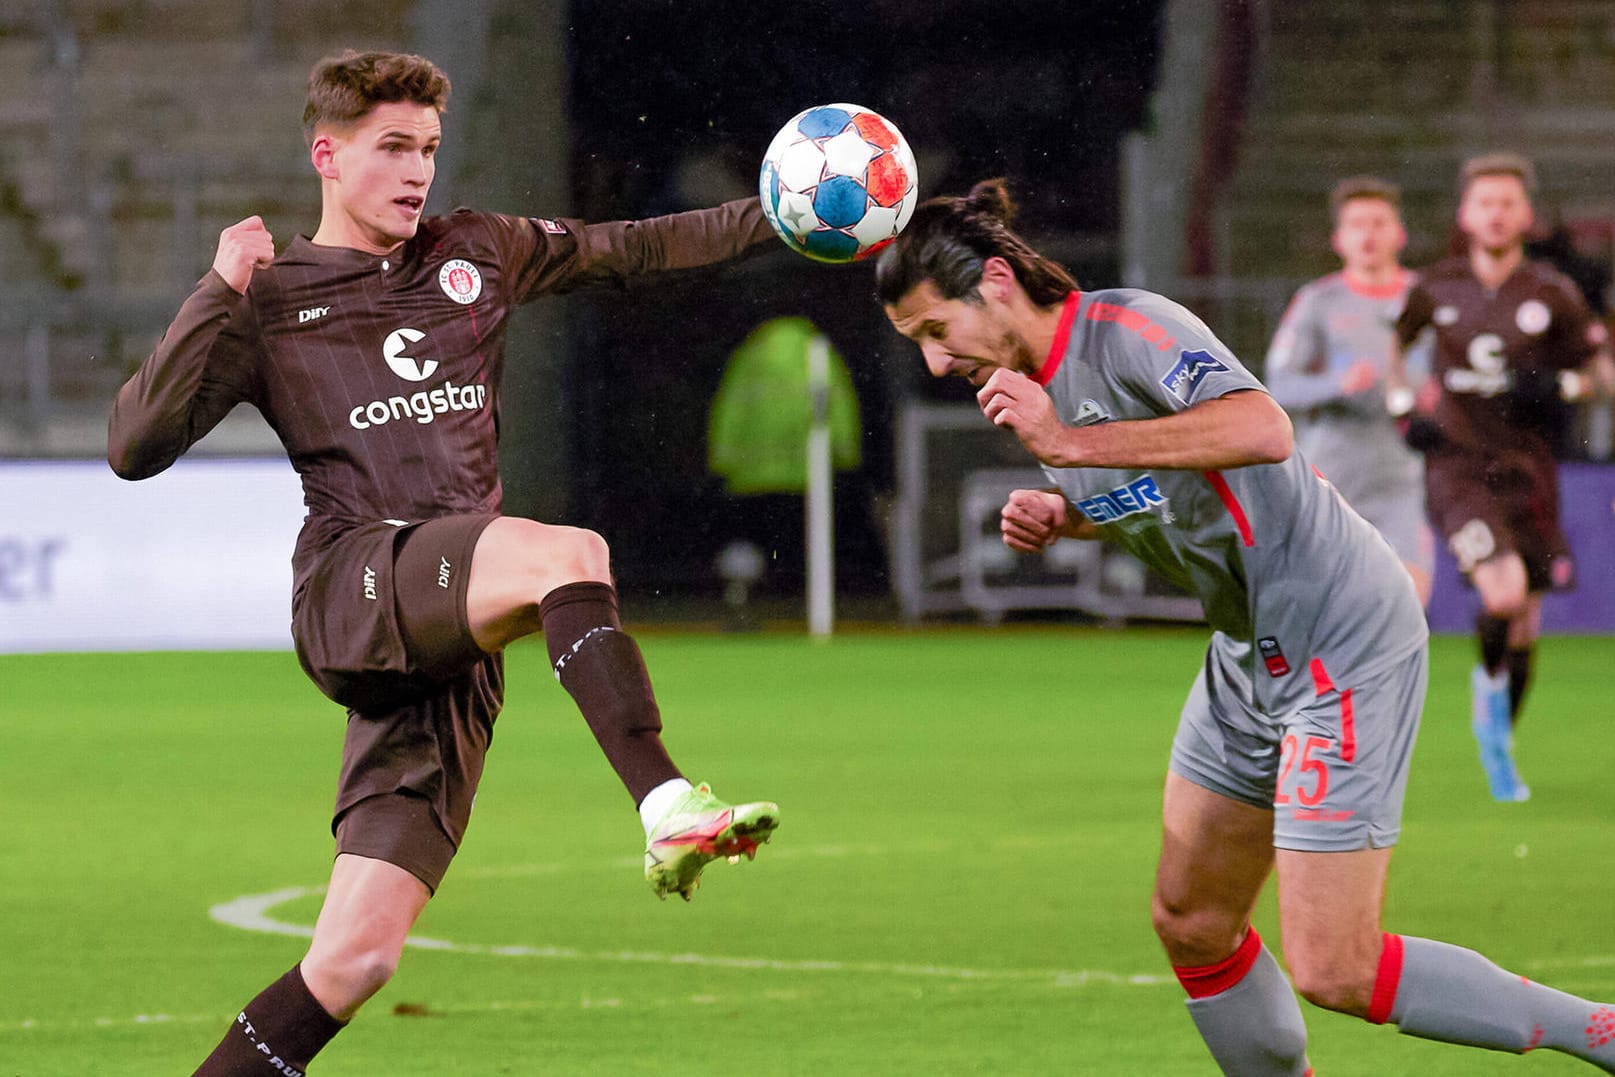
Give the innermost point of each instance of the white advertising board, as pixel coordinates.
(196, 558)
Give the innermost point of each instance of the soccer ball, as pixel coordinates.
(838, 182)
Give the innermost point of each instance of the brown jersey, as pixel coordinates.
(1533, 326)
(381, 373)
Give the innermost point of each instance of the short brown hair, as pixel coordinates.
(1354, 187)
(343, 89)
(1497, 164)
(949, 241)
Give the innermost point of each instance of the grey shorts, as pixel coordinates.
(1333, 771)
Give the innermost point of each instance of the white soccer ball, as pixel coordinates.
(838, 182)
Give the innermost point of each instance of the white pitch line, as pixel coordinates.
(252, 913)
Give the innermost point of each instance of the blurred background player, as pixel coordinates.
(375, 350)
(1512, 338)
(1327, 367)
(1292, 750)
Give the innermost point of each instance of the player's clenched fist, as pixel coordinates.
(1011, 399)
(1032, 519)
(243, 247)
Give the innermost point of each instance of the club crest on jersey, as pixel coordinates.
(1189, 371)
(1140, 495)
(460, 280)
(1533, 316)
(1090, 411)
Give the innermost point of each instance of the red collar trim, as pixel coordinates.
(1062, 337)
(1389, 290)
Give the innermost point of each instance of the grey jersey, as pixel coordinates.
(1331, 324)
(1286, 571)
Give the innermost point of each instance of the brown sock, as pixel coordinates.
(278, 1033)
(600, 666)
(1518, 660)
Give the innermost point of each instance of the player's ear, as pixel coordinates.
(997, 279)
(323, 155)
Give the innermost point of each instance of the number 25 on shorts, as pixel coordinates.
(1312, 773)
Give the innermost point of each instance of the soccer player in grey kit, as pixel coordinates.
(375, 350)
(1292, 750)
(1327, 367)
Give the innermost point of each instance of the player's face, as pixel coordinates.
(960, 338)
(379, 173)
(1495, 212)
(1369, 236)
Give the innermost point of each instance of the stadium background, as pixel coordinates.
(1185, 147)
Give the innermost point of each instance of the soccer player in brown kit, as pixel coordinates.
(375, 350)
(1292, 748)
(1512, 338)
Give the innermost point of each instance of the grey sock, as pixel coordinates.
(1452, 994)
(1254, 1029)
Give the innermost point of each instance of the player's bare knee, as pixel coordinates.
(574, 554)
(1194, 936)
(349, 977)
(1505, 603)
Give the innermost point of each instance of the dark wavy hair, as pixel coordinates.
(343, 89)
(949, 240)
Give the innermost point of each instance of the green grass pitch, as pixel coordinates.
(960, 884)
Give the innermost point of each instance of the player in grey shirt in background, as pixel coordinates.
(1292, 750)
(1327, 367)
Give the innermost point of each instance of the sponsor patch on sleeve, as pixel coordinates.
(1184, 379)
(554, 228)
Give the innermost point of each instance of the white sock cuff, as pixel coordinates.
(657, 801)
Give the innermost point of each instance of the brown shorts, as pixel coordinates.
(381, 628)
(1484, 507)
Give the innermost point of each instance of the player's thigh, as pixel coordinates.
(1329, 915)
(1469, 516)
(370, 905)
(1216, 853)
(516, 564)
(1217, 845)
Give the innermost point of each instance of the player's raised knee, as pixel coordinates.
(548, 555)
(1194, 936)
(580, 554)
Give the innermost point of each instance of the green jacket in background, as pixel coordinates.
(758, 430)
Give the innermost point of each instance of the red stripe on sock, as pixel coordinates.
(1206, 980)
(1386, 980)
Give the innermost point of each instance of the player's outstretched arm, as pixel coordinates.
(193, 378)
(618, 250)
(1239, 429)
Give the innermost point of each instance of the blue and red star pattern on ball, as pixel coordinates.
(838, 182)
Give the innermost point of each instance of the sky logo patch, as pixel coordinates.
(1184, 379)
